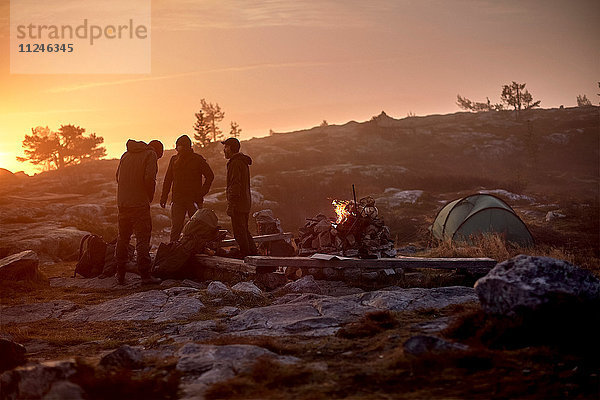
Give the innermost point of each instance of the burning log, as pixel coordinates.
(357, 230)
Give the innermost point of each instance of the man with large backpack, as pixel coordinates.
(190, 176)
(136, 178)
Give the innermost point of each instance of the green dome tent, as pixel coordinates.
(477, 214)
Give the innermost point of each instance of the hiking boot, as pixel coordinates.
(120, 274)
(150, 280)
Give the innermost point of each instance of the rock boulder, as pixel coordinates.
(218, 289)
(123, 357)
(62, 390)
(90, 212)
(21, 266)
(35, 381)
(152, 305)
(36, 311)
(50, 241)
(247, 288)
(422, 344)
(529, 284)
(204, 364)
(306, 284)
(13, 354)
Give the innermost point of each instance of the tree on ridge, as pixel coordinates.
(67, 146)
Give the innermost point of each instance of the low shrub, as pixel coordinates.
(265, 375)
(369, 325)
(161, 382)
(488, 245)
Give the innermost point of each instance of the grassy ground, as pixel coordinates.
(493, 246)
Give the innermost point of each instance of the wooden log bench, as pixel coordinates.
(328, 261)
(262, 269)
(324, 266)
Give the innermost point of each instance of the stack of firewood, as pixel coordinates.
(354, 234)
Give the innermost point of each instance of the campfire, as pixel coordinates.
(357, 231)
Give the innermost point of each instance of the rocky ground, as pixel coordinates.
(87, 338)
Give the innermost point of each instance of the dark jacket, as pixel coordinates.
(239, 198)
(185, 174)
(136, 175)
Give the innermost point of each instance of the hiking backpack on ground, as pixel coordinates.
(110, 260)
(171, 259)
(92, 251)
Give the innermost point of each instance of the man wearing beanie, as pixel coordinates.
(136, 181)
(190, 176)
(239, 199)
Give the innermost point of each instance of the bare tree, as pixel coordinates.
(58, 149)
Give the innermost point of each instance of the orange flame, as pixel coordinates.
(341, 209)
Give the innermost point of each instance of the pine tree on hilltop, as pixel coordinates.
(213, 115)
(583, 101)
(515, 95)
(202, 135)
(58, 149)
(469, 105)
(235, 130)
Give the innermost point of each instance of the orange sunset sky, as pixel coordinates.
(289, 64)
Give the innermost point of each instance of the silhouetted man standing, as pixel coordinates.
(191, 177)
(239, 199)
(136, 177)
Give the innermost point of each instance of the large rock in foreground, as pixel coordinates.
(48, 380)
(12, 353)
(21, 266)
(529, 284)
